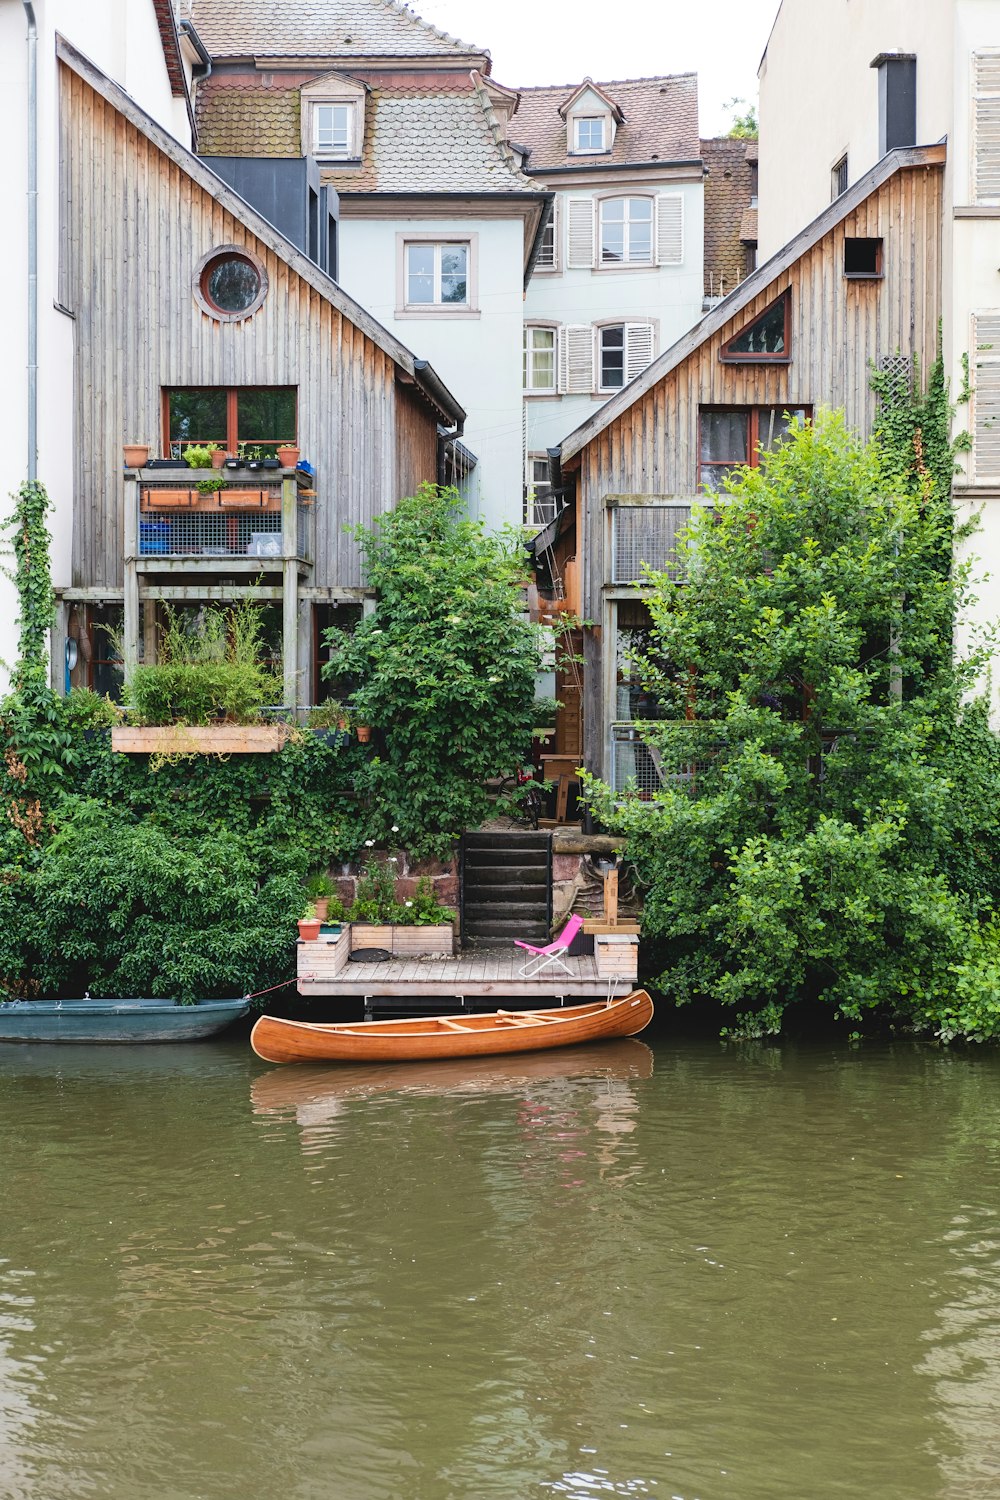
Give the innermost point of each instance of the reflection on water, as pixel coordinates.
(753, 1274)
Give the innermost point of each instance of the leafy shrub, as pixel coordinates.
(826, 829)
(444, 666)
(213, 669)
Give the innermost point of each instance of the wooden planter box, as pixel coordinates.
(405, 942)
(200, 739)
(617, 957)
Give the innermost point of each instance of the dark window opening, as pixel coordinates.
(736, 435)
(327, 617)
(839, 183)
(862, 257)
(765, 338)
(250, 421)
(97, 628)
(613, 357)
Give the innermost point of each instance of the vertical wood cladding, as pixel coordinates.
(134, 227)
(838, 328)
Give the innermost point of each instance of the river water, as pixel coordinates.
(670, 1269)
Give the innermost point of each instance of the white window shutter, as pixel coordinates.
(556, 228)
(669, 229)
(580, 236)
(986, 396)
(576, 359)
(986, 152)
(638, 349)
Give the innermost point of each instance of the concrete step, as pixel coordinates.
(495, 931)
(519, 839)
(507, 859)
(506, 912)
(506, 877)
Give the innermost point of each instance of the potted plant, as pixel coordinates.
(211, 486)
(219, 455)
(364, 732)
(415, 927)
(321, 892)
(309, 924)
(288, 455)
(199, 455)
(136, 455)
(329, 723)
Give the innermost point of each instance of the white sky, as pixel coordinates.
(560, 41)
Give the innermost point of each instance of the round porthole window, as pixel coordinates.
(230, 283)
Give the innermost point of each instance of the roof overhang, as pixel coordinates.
(893, 162)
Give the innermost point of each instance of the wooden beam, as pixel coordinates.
(198, 593)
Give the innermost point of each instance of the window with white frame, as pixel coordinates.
(547, 258)
(627, 231)
(437, 274)
(624, 351)
(589, 132)
(333, 130)
(539, 502)
(611, 233)
(539, 358)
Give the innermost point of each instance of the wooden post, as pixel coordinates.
(290, 592)
(130, 549)
(611, 896)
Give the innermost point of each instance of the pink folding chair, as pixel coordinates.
(553, 953)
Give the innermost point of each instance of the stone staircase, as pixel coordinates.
(506, 888)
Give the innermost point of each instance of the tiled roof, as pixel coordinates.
(431, 142)
(728, 189)
(661, 122)
(321, 28)
(748, 226)
(247, 119)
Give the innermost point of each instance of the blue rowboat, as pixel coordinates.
(115, 1020)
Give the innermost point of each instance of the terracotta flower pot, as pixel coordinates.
(364, 733)
(321, 904)
(288, 456)
(309, 929)
(219, 456)
(136, 454)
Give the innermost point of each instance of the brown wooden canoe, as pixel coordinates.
(281, 1041)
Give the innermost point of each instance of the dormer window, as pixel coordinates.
(332, 130)
(590, 132)
(333, 114)
(591, 117)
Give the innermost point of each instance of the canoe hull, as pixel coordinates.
(280, 1041)
(115, 1021)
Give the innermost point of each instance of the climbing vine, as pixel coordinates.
(32, 577)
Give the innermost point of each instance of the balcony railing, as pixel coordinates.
(243, 519)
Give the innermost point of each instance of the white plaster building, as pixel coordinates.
(139, 45)
(439, 226)
(840, 84)
(620, 270)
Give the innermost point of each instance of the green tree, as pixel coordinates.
(821, 832)
(744, 125)
(444, 666)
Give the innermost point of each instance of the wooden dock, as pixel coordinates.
(324, 968)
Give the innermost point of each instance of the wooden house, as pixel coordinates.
(859, 285)
(196, 320)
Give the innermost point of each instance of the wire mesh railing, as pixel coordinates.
(178, 523)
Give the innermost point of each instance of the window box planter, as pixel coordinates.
(404, 942)
(199, 739)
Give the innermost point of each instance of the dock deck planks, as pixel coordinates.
(487, 971)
